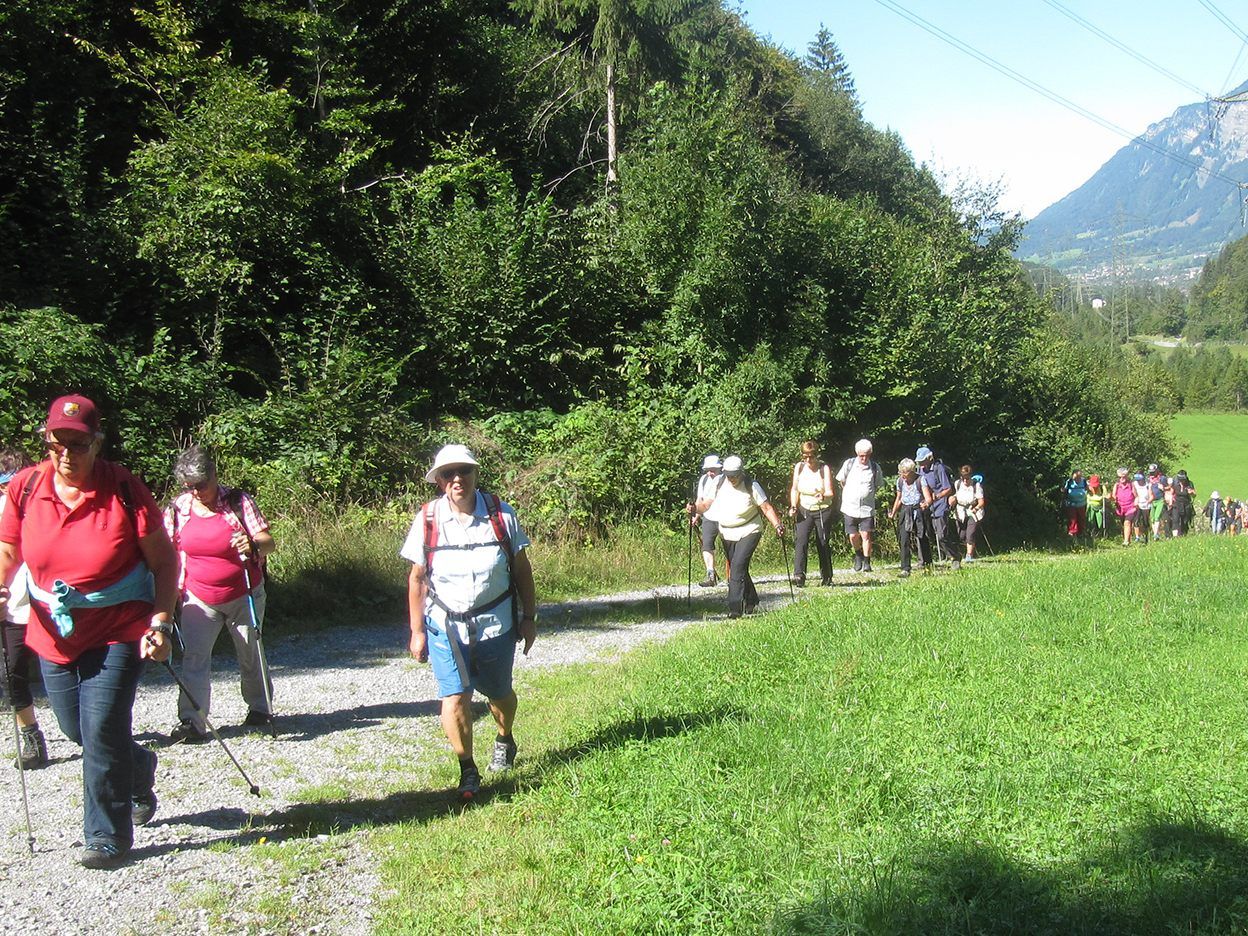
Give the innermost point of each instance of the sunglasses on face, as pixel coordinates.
(60, 448)
(198, 485)
(462, 471)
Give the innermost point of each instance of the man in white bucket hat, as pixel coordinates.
(470, 599)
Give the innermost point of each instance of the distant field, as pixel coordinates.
(1218, 459)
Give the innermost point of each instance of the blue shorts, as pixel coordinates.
(489, 663)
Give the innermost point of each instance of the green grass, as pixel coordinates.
(1218, 457)
(1050, 746)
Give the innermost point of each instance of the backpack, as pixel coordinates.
(124, 494)
(493, 507)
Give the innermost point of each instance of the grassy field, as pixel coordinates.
(1218, 459)
(1045, 745)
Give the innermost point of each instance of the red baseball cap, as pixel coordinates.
(73, 412)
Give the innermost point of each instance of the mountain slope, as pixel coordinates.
(1146, 211)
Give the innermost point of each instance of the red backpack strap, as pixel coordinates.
(431, 535)
(493, 507)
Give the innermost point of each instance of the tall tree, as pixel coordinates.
(824, 57)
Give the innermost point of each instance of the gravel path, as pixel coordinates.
(216, 859)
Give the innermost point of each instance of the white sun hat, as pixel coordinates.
(450, 455)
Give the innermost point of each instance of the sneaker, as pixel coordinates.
(32, 751)
(711, 579)
(469, 785)
(858, 560)
(101, 856)
(904, 573)
(187, 733)
(504, 757)
(257, 719)
(956, 565)
(866, 564)
(799, 581)
(969, 559)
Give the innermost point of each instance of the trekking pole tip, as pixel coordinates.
(255, 790)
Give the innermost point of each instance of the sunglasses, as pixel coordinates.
(462, 471)
(198, 486)
(74, 448)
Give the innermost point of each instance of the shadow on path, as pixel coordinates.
(303, 820)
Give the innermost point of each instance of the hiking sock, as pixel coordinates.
(505, 738)
(467, 765)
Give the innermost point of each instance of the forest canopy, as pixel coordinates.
(595, 240)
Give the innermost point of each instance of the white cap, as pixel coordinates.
(711, 461)
(450, 455)
(1214, 495)
(732, 464)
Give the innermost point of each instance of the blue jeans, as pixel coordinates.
(93, 700)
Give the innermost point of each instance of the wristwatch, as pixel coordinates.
(160, 627)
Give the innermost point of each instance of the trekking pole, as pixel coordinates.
(264, 666)
(17, 741)
(788, 569)
(252, 788)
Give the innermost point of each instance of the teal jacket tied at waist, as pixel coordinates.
(137, 585)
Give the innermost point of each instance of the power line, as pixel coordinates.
(1053, 95)
(1224, 19)
(1139, 57)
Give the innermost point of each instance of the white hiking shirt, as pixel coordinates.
(465, 578)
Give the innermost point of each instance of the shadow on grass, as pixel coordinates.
(303, 820)
(1161, 876)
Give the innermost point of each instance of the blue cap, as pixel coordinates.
(977, 478)
(1139, 477)
(923, 454)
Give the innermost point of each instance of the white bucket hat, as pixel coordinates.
(711, 461)
(732, 464)
(450, 455)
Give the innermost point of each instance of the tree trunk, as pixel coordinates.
(612, 178)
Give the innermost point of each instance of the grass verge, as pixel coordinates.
(1034, 747)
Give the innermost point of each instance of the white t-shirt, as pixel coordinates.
(736, 510)
(18, 608)
(464, 578)
(859, 483)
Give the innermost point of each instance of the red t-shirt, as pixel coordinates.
(90, 547)
(214, 573)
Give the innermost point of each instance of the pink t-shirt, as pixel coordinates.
(1124, 494)
(214, 573)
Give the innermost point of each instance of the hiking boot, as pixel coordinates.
(751, 608)
(858, 560)
(956, 565)
(469, 784)
(799, 581)
(144, 808)
(826, 580)
(904, 573)
(187, 733)
(101, 856)
(711, 579)
(504, 757)
(257, 719)
(866, 564)
(32, 751)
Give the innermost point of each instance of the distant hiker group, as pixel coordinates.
(1145, 504)
(935, 513)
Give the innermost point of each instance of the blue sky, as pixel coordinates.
(966, 120)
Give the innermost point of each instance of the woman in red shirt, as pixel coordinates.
(222, 539)
(102, 577)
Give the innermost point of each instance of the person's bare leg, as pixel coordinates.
(457, 723)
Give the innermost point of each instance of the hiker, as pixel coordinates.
(1216, 511)
(1143, 506)
(938, 481)
(222, 540)
(810, 503)
(711, 467)
(968, 498)
(32, 748)
(1181, 510)
(736, 505)
(1096, 506)
(470, 599)
(910, 507)
(860, 479)
(78, 519)
(1075, 504)
(1124, 504)
(1157, 506)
